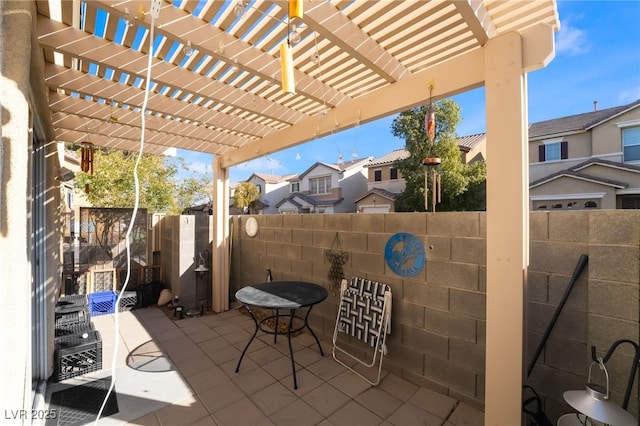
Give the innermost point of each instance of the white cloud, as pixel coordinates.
(571, 40)
(628, 96)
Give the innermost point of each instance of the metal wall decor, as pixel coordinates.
(336, 257)
(405, 254)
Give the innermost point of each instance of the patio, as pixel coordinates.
(207, 391)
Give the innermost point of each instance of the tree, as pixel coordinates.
(462, 184)
(245, 195)
(162, 190)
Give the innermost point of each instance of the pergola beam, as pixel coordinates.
(456, 75)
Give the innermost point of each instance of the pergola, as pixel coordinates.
(356, 61)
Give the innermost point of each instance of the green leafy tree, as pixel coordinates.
(162, 190)
(245, 195)
(462, 184)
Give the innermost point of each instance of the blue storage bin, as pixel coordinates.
(102, 303)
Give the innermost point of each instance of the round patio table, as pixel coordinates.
(277, 295)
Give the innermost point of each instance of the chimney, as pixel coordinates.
(595, 105)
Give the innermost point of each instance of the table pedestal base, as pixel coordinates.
(290, 330)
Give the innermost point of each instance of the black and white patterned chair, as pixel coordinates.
(364, 314)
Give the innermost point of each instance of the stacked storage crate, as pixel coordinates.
(78, 346)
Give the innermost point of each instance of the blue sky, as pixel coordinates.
(597, 59)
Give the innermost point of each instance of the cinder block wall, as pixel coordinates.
(183, 238)
(601, 308)
(438, 333)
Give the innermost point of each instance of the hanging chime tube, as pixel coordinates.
(296, 9)
(286, 68)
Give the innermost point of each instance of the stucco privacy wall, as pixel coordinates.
(438, 332)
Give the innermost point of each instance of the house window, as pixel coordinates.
(631, 144)
(321, 185)
(394, 173)
(295, 187)
(553, 151)
(259, 188)
(377, 175)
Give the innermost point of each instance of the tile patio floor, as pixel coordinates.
(201, 354)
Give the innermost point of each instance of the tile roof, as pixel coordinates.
(575, 172)
(379, 191)
(470, 142)
(268, 178)
(308, 199)
(578, 122)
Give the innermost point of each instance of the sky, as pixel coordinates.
(597, 59)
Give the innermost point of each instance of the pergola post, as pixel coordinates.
(507, 227)
(220, 241)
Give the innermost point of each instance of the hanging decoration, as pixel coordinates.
(336, 257)
(86, 160)
(429, 162)
(296, 9)
(430, 117)
(286, 68)
(286, 52)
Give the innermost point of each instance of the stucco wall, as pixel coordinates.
(438, 333)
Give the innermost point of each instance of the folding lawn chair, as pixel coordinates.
(364, 314)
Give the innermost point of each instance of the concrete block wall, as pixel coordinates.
(602, 307)
(438, 336)
(439, 315)
(183, 238)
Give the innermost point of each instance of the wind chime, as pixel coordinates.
(286, 50)
(430, 162)
(86, 161)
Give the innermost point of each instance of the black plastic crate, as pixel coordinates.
(73, 329)
(76, 355)
(70, 303)
(65, 319)
(128, 300)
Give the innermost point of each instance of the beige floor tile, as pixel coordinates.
(379, 401)
(433, 402)
(242, 413)
(398, 387)
(207, 379)
(354, 414)
(148, 420)
(273, 397)
(349, 383)
(280, 368)
(251, 381)
(326, 368)
(409, 414)
(325, 399)
(306, 382)
(465, 415)
(182, 413)
(265, 355)
(220, 396)
(195, 366)
(225, 354)
(307, 356)
(298, 413)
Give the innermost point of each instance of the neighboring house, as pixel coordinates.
(589, 160)
(272, 188)
(385, 181)
(326, 188)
